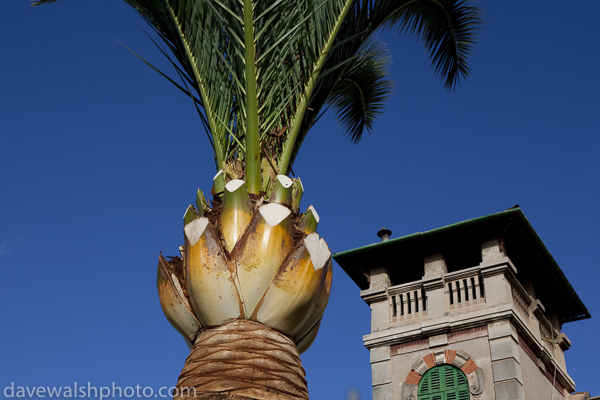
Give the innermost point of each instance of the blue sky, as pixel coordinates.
(100, 157)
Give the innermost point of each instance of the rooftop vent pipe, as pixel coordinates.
(384, 234)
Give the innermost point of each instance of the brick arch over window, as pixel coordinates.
(459, 359)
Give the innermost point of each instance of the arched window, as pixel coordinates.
(444, 382)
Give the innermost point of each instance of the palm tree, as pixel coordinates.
(253, 279)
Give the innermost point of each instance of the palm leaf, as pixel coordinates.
(360, 93)
(262, 70)
(448, 29)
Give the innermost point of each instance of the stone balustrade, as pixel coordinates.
(464, 288)
(407, 302)
(447, 293)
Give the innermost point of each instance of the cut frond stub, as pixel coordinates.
(308, 221)
(318, 250)
(274, 213)
(202, 204)
(219, 182)
(261, 252)
(173, 301)
(297, 192)
(213, 293)
(236, 212)
(190, 215)
(195, 229)
(282, 192)
(290, 299)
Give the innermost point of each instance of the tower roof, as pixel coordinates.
(462, 242)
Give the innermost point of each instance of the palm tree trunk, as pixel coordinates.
(242, 360)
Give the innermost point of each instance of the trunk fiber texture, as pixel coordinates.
(243, 360)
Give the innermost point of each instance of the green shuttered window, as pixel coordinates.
(444, 382)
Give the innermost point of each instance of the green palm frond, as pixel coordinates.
(199, 38)
(253, 74)
(359, 95)
(261, 71)
(448, 29)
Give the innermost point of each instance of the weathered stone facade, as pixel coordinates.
(479, 305)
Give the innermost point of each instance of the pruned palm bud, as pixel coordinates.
(173, 300)
(257, 265)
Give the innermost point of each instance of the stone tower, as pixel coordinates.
(472, 310)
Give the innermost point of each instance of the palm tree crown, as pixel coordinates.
(261, 71)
